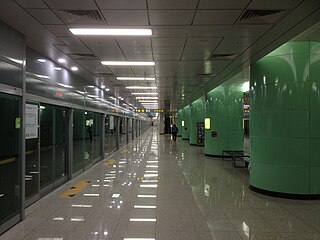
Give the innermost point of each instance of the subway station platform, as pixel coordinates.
(155, 188)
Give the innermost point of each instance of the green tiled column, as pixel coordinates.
(197, 115)
(185, 130)
(285, 120)
(224, 106)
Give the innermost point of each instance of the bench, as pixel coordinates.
(241, 157)
(231, 153)
(237, 155)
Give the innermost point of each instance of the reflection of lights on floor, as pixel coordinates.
(81, 206)
(91, 194)
(143, 220)
(146, 196)
(149, 181)
(144, 206)
(148, 185)
(151, 171)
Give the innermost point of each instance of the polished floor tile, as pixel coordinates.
(165, 190)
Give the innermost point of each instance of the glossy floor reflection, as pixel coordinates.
(155, 188)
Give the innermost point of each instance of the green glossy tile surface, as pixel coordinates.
(285, 120)
(225, 108)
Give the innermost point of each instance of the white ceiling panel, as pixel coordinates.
(31, 3)
(203, 42)
(143, 71)
(108, 53)
(198, 51)
(168, 42)
(72, 4)
(99, 41)
(229, 31)
(223, 4)
(45, 16)
(171, 17)
(273, 4)
(167, 50)
(59, 30)
(126, 17)
(170, 4)
(167, 57)
(94, 66)
(73, 49)
(228, 49)
(238, 41)
(189, 57)
(134, 42)
(137, 50)
(121, 4)
(121, 71)
(71, 41)
(215, 17)
(139, 57)
(171, 31)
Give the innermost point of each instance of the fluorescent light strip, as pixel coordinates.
(144, 206)
(77, 219)
(146, 196)
(149, 181)
(91, 194)
(148, 101)
(147, 98)
(127, 63)
(148, 185)
(139, 239)
(107, 180)
(143, 220)
(145, 93)
(150, 171)
(111, 32)
(115, 195)
(95, 185)
(152, 161)
(135, 78)
(152, 166)
(81, 206)
(140, 87)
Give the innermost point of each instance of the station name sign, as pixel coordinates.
(150, 110)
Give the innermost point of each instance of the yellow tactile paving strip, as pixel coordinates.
(75, 189)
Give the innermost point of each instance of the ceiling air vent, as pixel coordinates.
(223, 57)
(261, 16)
(81, 16)
(82, 56)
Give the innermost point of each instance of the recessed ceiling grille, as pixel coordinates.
(223, 57)
(81, 16)
(261, 16)
(82, 56)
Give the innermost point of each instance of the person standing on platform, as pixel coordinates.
(174, 132)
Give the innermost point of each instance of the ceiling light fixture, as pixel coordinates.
(57, 68)
(145, 93)
(140, 87)
(127, 63)
(42, 60)
(61, 60)
(111, 32)
(135, 78)
(74, 69)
